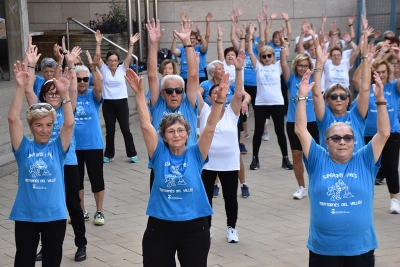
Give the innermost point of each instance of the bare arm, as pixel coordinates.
(132, 40)
(174, 49)
(234, 41)
(31, 57)
(97, 78)
(363, 96)
(318, 99)
(236, 100)
(288, 26)
(208, 27)
(253, 58)
(70, 58)
(283, 59)
(98, 36)
(220, 49)
(377, 34)
(59, 59)
(260, 19)
(351, 27)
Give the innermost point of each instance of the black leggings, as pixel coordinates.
(229, 183)
(390, 161)
(261, 113)
(363, 260)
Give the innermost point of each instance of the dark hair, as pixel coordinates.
(212, 88)
(164, 63)
(229, 49)
(335, 48)
(393, 40)
(112, 53)
(47, 86)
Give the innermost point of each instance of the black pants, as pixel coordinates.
(71, 180)
(114, 110)
(285, 92)
(27, 240)
(189, 239)
(229, 183)
(252, 91)
(261, 113)
(390, 161)
(363, 260)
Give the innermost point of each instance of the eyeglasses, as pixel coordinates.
(173, 132)
(337, 138)
(267, 55)
(382, 72)
(40, 106)
(78, 64)
(84, 79)
(303, 66)
(395, 63)
(112, 60)
(170, 91)
(341, 96)
(53, 95)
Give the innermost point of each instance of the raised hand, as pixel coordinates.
(378, 88)
(32, 56)
(274, 15)
(304, 86)
(346, 36)
(186, 29)
(209, 17)
(223, 87)
(98, 36)
(238, 61)
(251, 28)
(62, 83)
(239, 11)
(57, 53)
(351, 19)
(364, 23)
(134, 38)
(261, 17)
(333, 27)
(241, 33)
(265, 9)
(233, 16)
(377, 34)
(198, 30)
(372, 52)
(134, 81)
(95, 61)
(21, 74)
(322, 56)
(323, 18)
(285, 16)
(304, 25)
(153, 30)
(220, 31)
(71, 56)
(89, 57)
(183, 16)
(368, 31)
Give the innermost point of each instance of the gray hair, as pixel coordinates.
(173, 77)
(171, 119)
(34, 114)
(82, 68)
(388, 32)
(341, 87)
(327, 132)
(48, 62)
(211, 67)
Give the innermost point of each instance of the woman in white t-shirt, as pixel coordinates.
(115, 95)
(269, 101)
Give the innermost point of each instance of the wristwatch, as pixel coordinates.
(65, 101)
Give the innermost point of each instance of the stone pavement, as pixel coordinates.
(272, 227)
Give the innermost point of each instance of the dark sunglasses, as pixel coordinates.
(41, 105)
(78, 64)
(84, 79)
(337, 138)
(267, 55)
(170, 91)
(335, 96)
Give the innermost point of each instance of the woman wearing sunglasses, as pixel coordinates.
(39, 206)
(115, 94)
(341, 185)
(269, 101)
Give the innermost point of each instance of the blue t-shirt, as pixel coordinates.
(341, 202)
(38, 84)
(277, 50)
(88, 133)
(41, 191)
(392, 97)
(206, 85)
(352, 118)
(293, 87)
(249, 73)
(178, 192)
(202, 63)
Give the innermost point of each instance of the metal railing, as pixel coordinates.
(104, 38)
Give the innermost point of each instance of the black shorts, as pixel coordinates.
(94, 166)
(294, 140)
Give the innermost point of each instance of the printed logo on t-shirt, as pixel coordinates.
(80, 115)
(174, 182)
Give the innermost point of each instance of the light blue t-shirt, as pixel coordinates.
(38, 84)
(71, 155)
(293, 87)
(341, 202)
(206, 85)
(41, 190)
(178, 192)
(88, 133)
(392, 97)
(277, 50)
(249, 73)
(202, 63)
(352, 118)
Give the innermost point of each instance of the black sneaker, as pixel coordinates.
(39, 256)
(379, 181)
(254, 164)
(286, 164)
(245, 191)
(80, 254)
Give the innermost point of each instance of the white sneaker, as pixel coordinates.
(300, 193)
(232, 235)
(265, 136)
(267, 122)
(210, 233)
(394, 206)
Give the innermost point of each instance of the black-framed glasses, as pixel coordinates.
(53, 95)
(265, 56)
(84, 79)
(337, 138)
(78, 64)
(170, 91)
(46, 106)
(341, 96)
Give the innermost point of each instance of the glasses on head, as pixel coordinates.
(303, 66)
(170, 91)
(178, 131)
(40, 106)
(382, 72)
(78, 64)
(53, 95)
(337, 138)
(336, 96)
(84, 79)
(265, 56)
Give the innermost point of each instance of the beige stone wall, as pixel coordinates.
(51, 14)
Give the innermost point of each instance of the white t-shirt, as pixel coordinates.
(337, 74)
(231, 69)
(269, 84)
(305, 39)
(224, 152)
(114, 87)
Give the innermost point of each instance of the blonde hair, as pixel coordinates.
(301, 57)
(264, 49)
(32, 115)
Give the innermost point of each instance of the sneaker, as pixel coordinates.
(133, 159)
(246, 136)
(245, 191)
(265, 136)
(216, 190)
(379, 181)
(107, 160)
(254, 164)
(232, 235)
(80, 254)
(69, 220)
(242, 149)
(300, 193)
(86, 216)
(286, 164)
(99, 218)
(394, 206)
